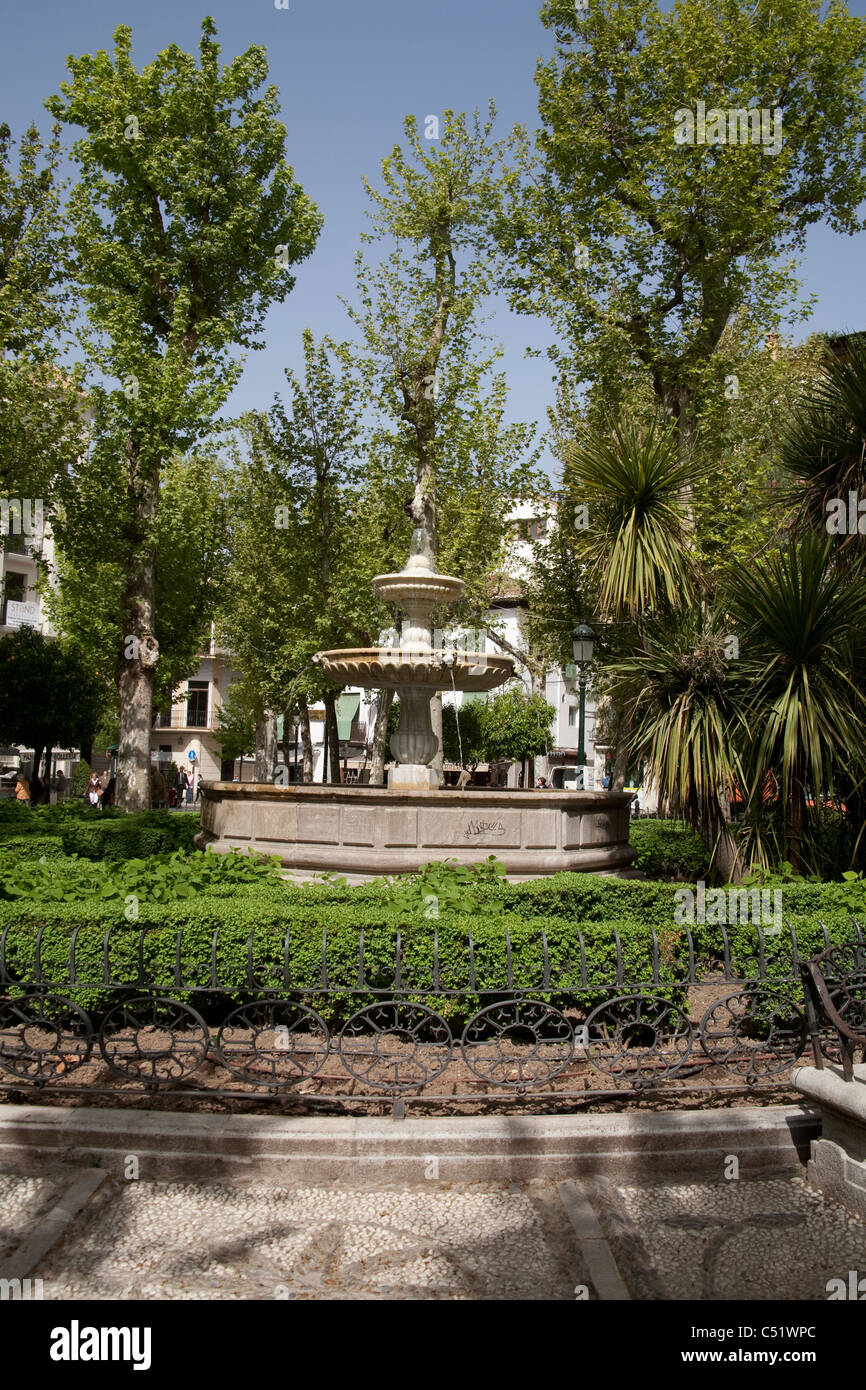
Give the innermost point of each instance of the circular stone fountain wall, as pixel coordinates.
(364, 832)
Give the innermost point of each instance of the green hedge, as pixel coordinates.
(668, 849)
(31, 847)
(15, 817)
(270, 912)
(131, 837)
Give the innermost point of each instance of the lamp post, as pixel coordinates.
(582, 640)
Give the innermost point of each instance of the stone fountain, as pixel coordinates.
(413, 668)
(364, 831)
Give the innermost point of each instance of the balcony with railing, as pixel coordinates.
(190, 717)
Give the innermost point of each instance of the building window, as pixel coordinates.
(196, 704)
(15, 590)
(572, 716)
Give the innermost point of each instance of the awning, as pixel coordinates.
(347, 707)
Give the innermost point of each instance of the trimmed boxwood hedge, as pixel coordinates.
(269, 913)
(130, 837)
(668, 849)
(32, 847)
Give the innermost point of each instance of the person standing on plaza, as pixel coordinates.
(94, 790)
(22, 789)
(188, 780)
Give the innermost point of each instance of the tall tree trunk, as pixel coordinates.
(716, 835)
(306, 741)
(436, 721)
(621, 756)
(38, 750)
(380, 739)
(288, 742)
(266, 747)
(138, 651)
(332, 738)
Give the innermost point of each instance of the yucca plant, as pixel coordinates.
(635, 488)
(684, 698)
(824, 447)
(802, 624)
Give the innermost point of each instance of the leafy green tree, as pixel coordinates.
(40, 408)
(440, 442)
(463, 742)
(189, 562)
(443, 466)
(517, 725)
(48, 696)
(302, 560)
(638, 246)
(236, 734)
(185, 222)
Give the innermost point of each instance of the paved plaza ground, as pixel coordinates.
(538, 1240)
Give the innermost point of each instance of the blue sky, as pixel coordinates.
(348, 73)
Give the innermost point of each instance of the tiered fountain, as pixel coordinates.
(363, 831)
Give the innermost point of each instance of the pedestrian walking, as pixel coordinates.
(94, 790)
(187, 787)
(22, 789)
(198, 788)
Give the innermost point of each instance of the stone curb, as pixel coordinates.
(51, 1226)
(766, 1140)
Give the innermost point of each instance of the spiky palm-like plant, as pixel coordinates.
(683, 696)
(634, 486)
(824, 447)
(802, 626)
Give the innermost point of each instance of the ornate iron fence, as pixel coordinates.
(583, 1035)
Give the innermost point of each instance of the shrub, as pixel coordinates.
(669, 850)
(246, 931)
(80, 778)
(26, 847)
(13, 814)
(129, 836)
(159, 878)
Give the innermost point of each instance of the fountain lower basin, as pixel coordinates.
(365, 832)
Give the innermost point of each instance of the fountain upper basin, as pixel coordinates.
(383, 668)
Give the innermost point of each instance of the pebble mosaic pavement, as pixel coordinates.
(749, 1239)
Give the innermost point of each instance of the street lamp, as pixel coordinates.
(582, 641)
